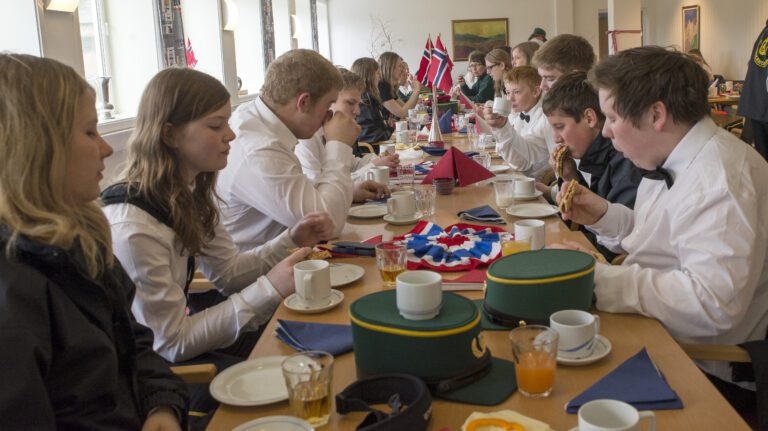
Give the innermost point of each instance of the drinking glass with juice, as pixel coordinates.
(534, 348)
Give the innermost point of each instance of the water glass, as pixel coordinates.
(390, 260)
(483, 159)
(505, 193)
(534, 348)
(308, 377)
(425, 199)
(405, 175)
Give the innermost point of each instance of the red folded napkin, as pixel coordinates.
(466, 102)
(454, 164)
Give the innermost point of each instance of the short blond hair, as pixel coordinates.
(566, 53)
(525, 75)
(300, 71)
(351, 80)
(37, 116)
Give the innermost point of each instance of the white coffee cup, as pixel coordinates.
(728, 86)
(380, 174)
(313, 282)
(401, 125)
(402, 205)
(524, 186)
(502, 106)
(386, 149)
(419, 294)
(577, 330)
(612, 415)
(402, 136)
(532, 230)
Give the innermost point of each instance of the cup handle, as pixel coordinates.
(597, 323)
(308, 287)
(369, 175)
(391, 206)
(651, 418)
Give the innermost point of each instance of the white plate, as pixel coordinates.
(532, 210)
(253, 382)
(292, 302)
(498, 168)
(275, 423)
(535, 195)
(402, 221)
(368, 211)
(602, 349)
(345, 273)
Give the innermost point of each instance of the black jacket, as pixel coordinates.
(371, 120)
(613, 177)
(72, 355)
(754, 95)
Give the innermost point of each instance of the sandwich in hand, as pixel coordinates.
(560, 154)
(570, 191)
(315, 255)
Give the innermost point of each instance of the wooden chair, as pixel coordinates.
(716, 352)
(194, 374)
(367, 146)
(200, 283)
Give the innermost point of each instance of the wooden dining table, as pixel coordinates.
(704, 407)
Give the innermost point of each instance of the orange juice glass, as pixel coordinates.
(534, 348)
(515, 246)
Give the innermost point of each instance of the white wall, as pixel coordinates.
(411, 21)
(18, 30)
(585, 14)
(728, 30)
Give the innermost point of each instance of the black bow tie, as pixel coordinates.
(659, 174)
(527, 118)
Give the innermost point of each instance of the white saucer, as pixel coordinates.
(602, 349)
(345, 273)
(402, 221)
(275, 423)
(534, 210)
(498, 168)
(368, 211)
(253, 382)
(292, 302)
(535, 195)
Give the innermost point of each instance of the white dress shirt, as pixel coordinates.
(311, 154)
(697, 252)
(263, 187)
(522, 143)
(152, 256)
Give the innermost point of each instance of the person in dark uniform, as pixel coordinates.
(754, 95)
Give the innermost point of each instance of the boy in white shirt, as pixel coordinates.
(520, 137)
(697, 238)
(263, 188)
(311, 152)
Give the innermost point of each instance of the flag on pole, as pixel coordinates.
(440, 67)
(423, 72)
(191, 60)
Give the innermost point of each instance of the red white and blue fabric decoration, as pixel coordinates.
(460, 247)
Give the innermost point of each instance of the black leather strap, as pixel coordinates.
(474, 373)
(504, 319)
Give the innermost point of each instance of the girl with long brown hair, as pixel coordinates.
(393, 72)
(373, 125)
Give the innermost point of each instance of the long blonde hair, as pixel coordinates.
(177, 96)
(388, 64)
(501, 57)
(37, 115)
(366, 68)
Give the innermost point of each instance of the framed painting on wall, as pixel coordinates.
(691, 28)
(480, 34)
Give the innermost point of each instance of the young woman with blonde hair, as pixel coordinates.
(371, 119)
(165, 219)
(73, 356)
(393, 70)
(497, 62)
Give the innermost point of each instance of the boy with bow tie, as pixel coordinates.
(520, 138)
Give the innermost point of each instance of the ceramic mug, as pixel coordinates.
(612, 415)
(577, 330)
(532, 230)
(419, 294)
(502, 106)
(524, 186)
(380, 174)
(402, 205)
(313, 282)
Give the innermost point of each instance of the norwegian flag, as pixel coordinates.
(459, 247)
(191, 60)
(440, 67)
(423, 72)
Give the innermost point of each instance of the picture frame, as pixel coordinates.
(691, 16)
(478, 34)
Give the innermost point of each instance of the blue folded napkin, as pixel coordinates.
(423, 168)
(483, 213)
(445, 121)
(434, 151)
(303, 336)
(637, 381)
(463, 130)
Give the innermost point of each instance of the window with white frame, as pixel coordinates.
(249, 48)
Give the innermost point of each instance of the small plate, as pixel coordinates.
(532, 210)
(345, 273)
(535, 195)
(602, 349)
(368, 211)
(292, 302)
(402, 221)
(275, 423)
(253, 382)
(498, 168)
